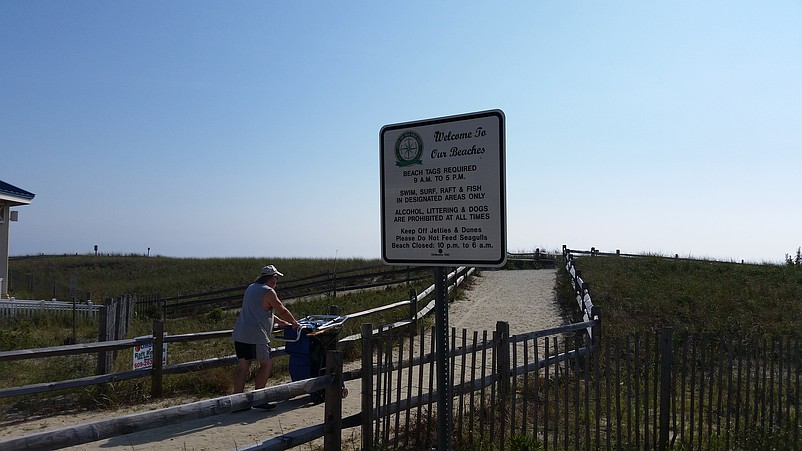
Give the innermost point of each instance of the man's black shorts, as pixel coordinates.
(248, 351)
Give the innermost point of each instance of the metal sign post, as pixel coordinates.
(444, 384)
(443, 203)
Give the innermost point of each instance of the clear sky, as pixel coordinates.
(223, 129)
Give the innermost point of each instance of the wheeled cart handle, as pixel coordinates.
(313, 322)
(272, 337)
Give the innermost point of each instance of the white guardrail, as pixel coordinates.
(12, 308)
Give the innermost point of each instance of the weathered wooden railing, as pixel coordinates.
(109, 428)
(157, 339)
(327, 283)
(99, 430)
(538, 258)
(581, 290)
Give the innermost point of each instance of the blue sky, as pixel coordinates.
(219, 129)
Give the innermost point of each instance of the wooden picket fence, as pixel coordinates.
(554, 390)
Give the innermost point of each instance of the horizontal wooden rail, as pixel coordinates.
(103, 429)
(593, 252)
(378, 309)
(82, 348)
(198, 336)
(291, 292)
(304, 435)
(180, 368)
(325, 279)
(553, 331)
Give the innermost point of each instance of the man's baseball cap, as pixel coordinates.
(270, 270)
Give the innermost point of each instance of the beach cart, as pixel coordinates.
(307, 347)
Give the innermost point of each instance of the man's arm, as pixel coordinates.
(271, 301)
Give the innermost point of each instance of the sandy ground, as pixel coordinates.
(525, 299)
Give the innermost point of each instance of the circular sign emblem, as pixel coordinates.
(408, 149)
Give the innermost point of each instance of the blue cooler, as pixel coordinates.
(300, 354)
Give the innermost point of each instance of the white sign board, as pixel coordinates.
(443, 191)
(143, 355)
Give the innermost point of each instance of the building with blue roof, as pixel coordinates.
(10, 196)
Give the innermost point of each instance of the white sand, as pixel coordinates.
(525, 299)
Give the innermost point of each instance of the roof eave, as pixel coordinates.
(14, 201)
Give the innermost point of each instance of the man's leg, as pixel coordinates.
(263, 373)
(261, 381)
(241, 375)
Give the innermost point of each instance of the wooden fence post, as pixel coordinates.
(332, 438)
(502, 349)
(156, 369)
(413, 307)
(367, 387)
(596, 314)
(665, 385)
(129, 313)
(103, 357)
(118, 319)
(584, 290)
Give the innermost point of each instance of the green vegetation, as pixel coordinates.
(107, 276)
(640, 295)
(118, 275)
(735, 311)
(637, 295)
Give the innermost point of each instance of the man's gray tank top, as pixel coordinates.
(254, 322)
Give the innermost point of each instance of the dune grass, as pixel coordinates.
(106, 276)
(639, 295)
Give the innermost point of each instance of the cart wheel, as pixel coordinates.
(344, 392)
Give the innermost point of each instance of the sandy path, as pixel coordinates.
(525, 299)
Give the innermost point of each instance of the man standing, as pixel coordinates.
(260, 305)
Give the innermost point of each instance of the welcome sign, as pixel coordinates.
(443, 191)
